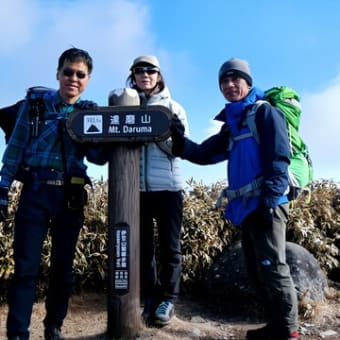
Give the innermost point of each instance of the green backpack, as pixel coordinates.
(300, 168)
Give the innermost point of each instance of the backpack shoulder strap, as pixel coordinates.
(250, 118)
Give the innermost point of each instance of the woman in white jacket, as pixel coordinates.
(161, 200)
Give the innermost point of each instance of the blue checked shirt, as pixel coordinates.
(44, 151)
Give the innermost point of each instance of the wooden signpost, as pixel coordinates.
(123, 126)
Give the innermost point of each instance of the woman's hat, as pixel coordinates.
(145, 59)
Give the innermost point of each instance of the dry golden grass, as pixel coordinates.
(314, 223)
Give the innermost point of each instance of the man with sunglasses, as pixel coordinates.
(161, 199)
(51, 166)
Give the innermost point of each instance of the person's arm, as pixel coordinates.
(178, 110)
(274, 144)
(8, 117)
(212, 150)
(17, 144)
(96, 153)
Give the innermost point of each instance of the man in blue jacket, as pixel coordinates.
(257, 188)
(41, 154)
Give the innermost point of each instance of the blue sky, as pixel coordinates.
(292, 43)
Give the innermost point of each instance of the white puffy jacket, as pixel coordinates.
(159, 169)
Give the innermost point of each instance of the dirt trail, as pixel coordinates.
(87, 319)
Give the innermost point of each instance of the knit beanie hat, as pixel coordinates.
(235, 67)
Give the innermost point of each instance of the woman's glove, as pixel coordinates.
(177, 135)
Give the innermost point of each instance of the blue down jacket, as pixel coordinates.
(159, 169)
(265, 163)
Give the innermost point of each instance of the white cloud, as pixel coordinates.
(34, 33)
(319, 127)
(113, 31)
(17, 22)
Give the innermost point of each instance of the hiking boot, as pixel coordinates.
(164, 313)
(53, 333)
(267, 333)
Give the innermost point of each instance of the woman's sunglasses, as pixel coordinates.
(146, 69)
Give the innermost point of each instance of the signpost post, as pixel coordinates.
(124, 125)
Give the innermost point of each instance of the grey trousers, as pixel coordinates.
(264, 247)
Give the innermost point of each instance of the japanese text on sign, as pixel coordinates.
(121, 272)
(131, 124)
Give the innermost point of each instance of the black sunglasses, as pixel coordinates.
(147, 69)
(68, 72)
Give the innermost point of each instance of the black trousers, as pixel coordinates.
(161, 257)
(265, 255)
(40, 209)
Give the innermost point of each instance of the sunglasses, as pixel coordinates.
(68, 72)
(147, 69)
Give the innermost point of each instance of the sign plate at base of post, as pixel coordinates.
(121, 234)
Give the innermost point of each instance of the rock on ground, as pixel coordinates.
(227, 278)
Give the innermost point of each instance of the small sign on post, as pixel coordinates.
(120, 124)
(121, 244)
(124, 125)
